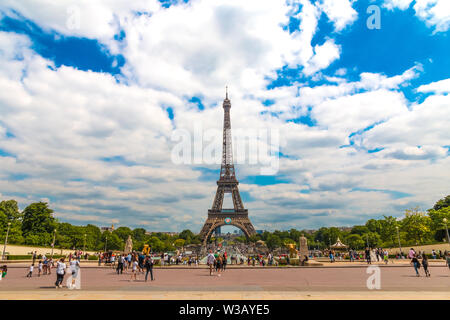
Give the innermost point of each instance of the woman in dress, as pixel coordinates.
(74, 281)
(134, 270)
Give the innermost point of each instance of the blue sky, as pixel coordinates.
(94, 95)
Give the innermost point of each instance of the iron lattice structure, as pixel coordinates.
(227, 183)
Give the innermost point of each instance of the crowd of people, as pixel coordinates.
(138, 263)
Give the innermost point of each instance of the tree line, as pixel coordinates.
(36, 225)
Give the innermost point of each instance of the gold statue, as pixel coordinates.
(293, 253)
(146, 250)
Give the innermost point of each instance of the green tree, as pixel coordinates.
(9, 213)
(416, 225)
(374, 225)
(254, 238)
(355, 241)
(388, 230)
(38, 220)
(113, 242)
(438, 226)
(359, 230)
(327, 236)
(138, 234)
(179, 243)
(123, 233)
(442, 203)
(186, 234)
(93, 237)
(273, 241)
(10, 210)
(156, 244)
(372, 238)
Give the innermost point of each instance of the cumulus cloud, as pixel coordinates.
(339, 11)
(442, 86)
(435, 13)
(99, 146)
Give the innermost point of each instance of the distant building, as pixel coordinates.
(109, 229)
(259, 231)
(170, 233)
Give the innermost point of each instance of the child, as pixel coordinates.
(30, 273)
(4, 271)
(39, 268)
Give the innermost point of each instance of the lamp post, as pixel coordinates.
(399, 244)
(446, 229)
(367, 240)
(53, 243)
(6, 241)
(84, 246)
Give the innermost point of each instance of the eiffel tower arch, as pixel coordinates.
(227, 183)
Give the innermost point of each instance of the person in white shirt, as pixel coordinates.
(74, 281)
(60, 271)
(134, 270)
(210, 262)
(30, 273)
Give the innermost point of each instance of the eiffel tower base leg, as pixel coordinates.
(215, 220)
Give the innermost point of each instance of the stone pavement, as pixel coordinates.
(257, 283)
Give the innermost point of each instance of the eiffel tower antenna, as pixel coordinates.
(227, 183)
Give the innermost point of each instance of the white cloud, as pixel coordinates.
(435, 13)
(325, 54)
(100, 148)
(339, 11)
(442, 86)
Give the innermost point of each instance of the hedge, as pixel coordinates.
(19, 257)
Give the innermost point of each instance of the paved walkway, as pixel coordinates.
(360, 264)
(258, 283)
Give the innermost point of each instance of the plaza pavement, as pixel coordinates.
(397, 282)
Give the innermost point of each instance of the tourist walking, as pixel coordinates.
(39, 268)
(331, 256)
(149, 268)
(224, 263)
(30, 271)
(134, 270)
(386, 256)
(60, 271)
(120, 264)
(74, 281)
(367, 254)
(416, 265)
(425, 265)
(210, 260)
(219, 264)
(411, 253)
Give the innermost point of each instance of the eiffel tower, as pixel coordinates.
(227, 183)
